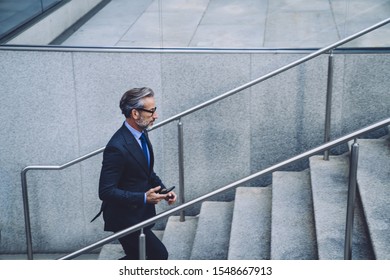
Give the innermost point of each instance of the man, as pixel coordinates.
(128, 187)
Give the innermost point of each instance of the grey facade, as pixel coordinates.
(57, 105)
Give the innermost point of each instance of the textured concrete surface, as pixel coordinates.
(232, 23)
(374, 186)
(58, 105)
(179, 237)
(71, 102)
(111, 252)
(293, 228)
(212, 236)
(330, 189)
(250, 236)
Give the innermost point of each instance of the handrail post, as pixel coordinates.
(352, 186)
(328, 110)
(181, 167)
(142, 245)
(27, 215)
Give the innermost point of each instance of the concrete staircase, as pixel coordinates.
(300, 216)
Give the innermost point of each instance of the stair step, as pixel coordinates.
(179, 237)
(114, 251)
(302, 216)
(251, 224)
(293, 234)
(111, 252)
(374, 188)
(330, 189)
(212, 236)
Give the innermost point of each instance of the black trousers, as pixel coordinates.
(155, 249)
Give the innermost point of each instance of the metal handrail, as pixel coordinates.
(25, 192)
(178, 117)
(263, 172)
(273, 73)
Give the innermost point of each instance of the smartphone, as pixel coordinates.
(165, 191)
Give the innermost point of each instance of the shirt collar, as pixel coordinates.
(133, 131)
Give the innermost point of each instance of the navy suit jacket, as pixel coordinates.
(124, 179)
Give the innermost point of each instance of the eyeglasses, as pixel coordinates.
(152, 111)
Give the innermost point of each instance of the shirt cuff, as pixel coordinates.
(144, 198)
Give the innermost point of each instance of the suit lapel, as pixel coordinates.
(134, 148)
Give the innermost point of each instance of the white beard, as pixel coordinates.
(143, 124)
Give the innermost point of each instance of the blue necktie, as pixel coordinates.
(144, 147)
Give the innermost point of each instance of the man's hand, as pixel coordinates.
(152, 197)
(171, 198)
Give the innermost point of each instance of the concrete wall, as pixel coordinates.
(58, 105)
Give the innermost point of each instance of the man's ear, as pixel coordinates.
(135, 114)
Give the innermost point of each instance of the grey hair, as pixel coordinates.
(134, 99)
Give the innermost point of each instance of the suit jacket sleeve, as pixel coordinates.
(110, 179)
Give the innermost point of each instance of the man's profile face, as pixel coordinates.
(146, 119)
